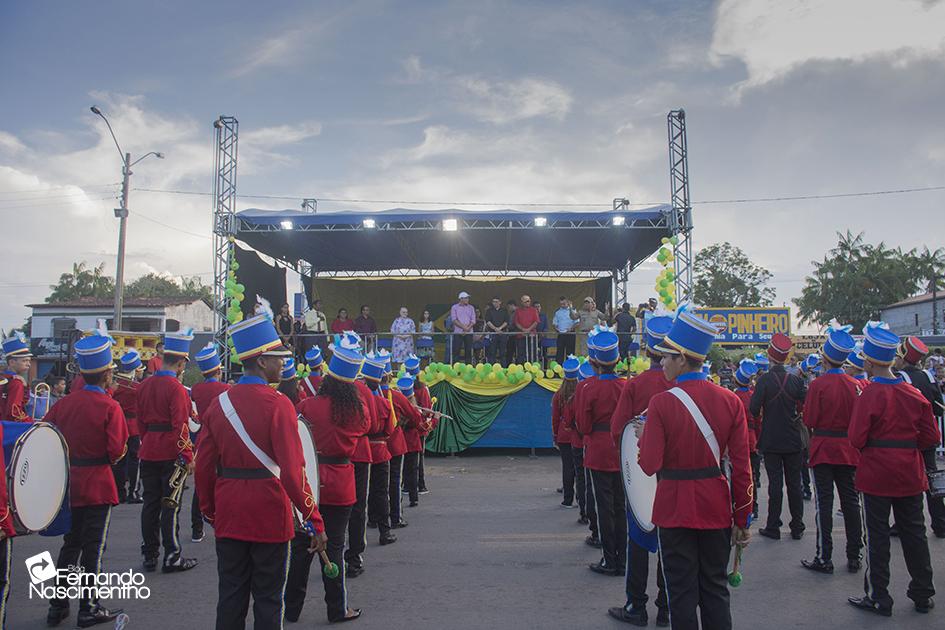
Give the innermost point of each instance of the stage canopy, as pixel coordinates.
(503, 241)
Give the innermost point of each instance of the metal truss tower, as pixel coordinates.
(680, 221)
(226, 133)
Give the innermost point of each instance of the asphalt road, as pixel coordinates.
(490, 547)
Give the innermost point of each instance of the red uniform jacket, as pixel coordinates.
(96, 431)
(672, 441)
(827, 410)
(257, 510)
(77, 384)
(754, 422)
(592, 413)
(163, 404)
(422, 395)
(560, 429)
(862, 382)
(396, 443)
(205, 393)
(380, 434)
(126, 395)
(363, 452)
(15, 397)
(635, 398)
(891, 409)
(575, 402)
(337, 480)
(6, 516)
(408, 419)
(310, 384)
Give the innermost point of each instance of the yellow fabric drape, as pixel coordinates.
(502, 389)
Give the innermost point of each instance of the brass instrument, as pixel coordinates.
(72, 367)
(434, 411)
(41, 390)
(178, 477)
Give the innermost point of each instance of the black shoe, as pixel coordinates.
(818, 565)
(797, 534)
(662, 617)
(356, 615)
(56, 615)
(399, 524)
(196, 536)
(150, 565)
(635, 616)
(560, 490)
(176, 564)
(95, 616)
(135, 499)
(353, 571)
(423, 491)
(565, 504)
(372, 524)
(584, 521)
(924, 605)
(388, 539)
(939, 533)
(592, 541)
(773, 534)
(603, 569)
(894, 531)
(807, 495)
(413, 504)
(866, 603)
(854, 565)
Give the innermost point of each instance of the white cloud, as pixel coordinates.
(280, 135)
(773, 37)
(511, 101)
(10, 143)
(279, 50)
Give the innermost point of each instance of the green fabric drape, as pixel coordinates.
(472, 415)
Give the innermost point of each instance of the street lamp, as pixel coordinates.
(122, 214)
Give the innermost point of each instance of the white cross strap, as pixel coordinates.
(230, 412)
(700, 421)
(308, 383)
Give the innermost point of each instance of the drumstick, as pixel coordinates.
(330, 569)
(735, 577)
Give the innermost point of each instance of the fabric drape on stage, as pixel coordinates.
(260, 278)
(524, 422)
(472, 415)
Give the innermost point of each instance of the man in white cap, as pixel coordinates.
(463, 315)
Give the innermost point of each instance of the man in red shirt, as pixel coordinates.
(164, 408)
(156, 362)
(526, 321)
(96, 432)
(17, 354)
(827, 410)
(697, 510)
(891, 423)
(203, 394)
(125, 394)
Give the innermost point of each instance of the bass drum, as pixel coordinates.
(639, 487)
(311, 457)
(37, 474)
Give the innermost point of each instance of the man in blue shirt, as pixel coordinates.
(564, 319)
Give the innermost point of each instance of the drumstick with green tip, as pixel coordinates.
(735, 577)
(330, 569)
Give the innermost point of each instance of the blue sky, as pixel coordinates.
(504, 101)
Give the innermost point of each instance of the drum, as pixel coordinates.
(640, 490)
(37, 474)
(937, 483)
(311, 456)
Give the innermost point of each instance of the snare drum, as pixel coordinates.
(311, 464)
(937, 483)
(37, 474)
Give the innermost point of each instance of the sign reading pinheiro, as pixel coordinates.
(747, 325)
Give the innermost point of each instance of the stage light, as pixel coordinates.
(619, 220)
(450, 225)
(369, 223)
(541, 221)
(286, 224)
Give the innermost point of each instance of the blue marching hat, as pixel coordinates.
(345, 364)
(207, 359)
(288, 369)
(839, 343)
(94, 354)
(655, 329)
(811, 364)
(16, 346)
(571, 367)
(880, 344)
(314, 357)
(405, 385)
(384, 354)
(856, 357)
(254, 337)
(412, 365)
(605, 347)
(586, 371)
(746, 369)
(130, 362)
(373, 367)
(762, 362)
(690, 335)
(178, 343)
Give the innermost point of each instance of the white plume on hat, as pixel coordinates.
(266, 307)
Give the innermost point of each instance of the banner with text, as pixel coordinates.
(744, 326)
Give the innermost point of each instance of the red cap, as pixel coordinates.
(780, 347)
(912, 350)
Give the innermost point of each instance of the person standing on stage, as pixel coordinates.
(827, 411)
(125, 394)
(96, 433)
(497, 323)
(593, 411)
(892, 423)
(422, 394)
(203, 394)
(688, 433)
(777, 398)
(164, 407)
(373, 372)
(339, 418)
(634, 400)
(911, 352)
(411, 419)
(561, 430)
(463, 315)
(250, 476)
(742, 378)
(15, 395)
(564, 320)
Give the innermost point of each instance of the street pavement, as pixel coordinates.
(490, 547)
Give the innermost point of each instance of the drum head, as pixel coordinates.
(311, 457)
(38, 476)
(639, 487)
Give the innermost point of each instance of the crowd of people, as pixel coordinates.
(858, 417)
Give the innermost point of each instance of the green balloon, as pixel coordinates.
(240, 287)
(674, 240)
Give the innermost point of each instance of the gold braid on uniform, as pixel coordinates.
(309, 497)
(393, 413)
(183, 442)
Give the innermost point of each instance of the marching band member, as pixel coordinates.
(561, 430)
(357, 523)
(315, 362)
(634, 400)
(833, 459)
(125, 394)
(854, 367)
(339, 418)
(744, 390)
(411, 420)
(289, 382)
(7, 532)
(163, 411)
(397, 445)
(892, 422)
(593, 411)
(96, 433)
(203, 394)
(911, 352)
(373, 372)
(422, 393)
(17, 354)
(250, 473)
(586, 374)
(687, 432)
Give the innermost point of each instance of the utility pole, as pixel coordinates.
(934, 303)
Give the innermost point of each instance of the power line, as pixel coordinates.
(169, 226)
(53, 190)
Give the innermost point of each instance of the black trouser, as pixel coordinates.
(564, 346)
(300, 566)
(509, 350)
(910, 521)
(411, 461)
(462, 342)
(936, 505)
(496, 350)
(826, 476)
(336, 597)
(256, 568)
(393, 488)
(159, 524)
(6, 552)
(357, 522)
(421, 481)
(379, 496)
(805, 471)
(577, 458)
(638, 572)
(83, 546)
(695, 565)
(623, 344)
(784, 468)
(196, 518)
(755, 458)
(567, 472)
(126, 470)
(611, 516)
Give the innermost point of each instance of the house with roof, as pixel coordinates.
(914, 315)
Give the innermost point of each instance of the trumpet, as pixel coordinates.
(178, 477)
(434, 411)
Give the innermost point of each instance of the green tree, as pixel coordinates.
(724, 276)
(152, 285)
(82, 282)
